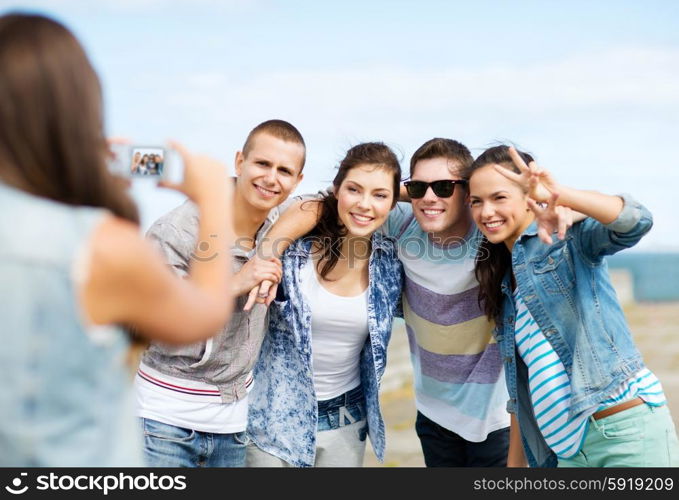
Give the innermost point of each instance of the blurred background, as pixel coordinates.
(590, 88)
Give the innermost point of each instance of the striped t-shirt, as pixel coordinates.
(550, 387)
(458, 375)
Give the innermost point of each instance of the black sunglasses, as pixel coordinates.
(443, 188)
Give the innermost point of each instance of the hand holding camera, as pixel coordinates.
(201, 176)
(170, 166)
(139, 161)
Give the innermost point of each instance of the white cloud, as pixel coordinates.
(623, 77)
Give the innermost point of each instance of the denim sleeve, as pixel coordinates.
(282, 290)
(511, 405)
(597, 240)
(398, 309)
(166, 238)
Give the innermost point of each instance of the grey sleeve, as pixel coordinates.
(175, 246)
(287, 204)
(283, 207)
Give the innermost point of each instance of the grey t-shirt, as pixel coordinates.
(226, 359)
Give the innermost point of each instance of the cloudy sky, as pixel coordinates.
(590, 88)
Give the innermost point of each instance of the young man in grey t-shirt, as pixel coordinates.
(192, 399)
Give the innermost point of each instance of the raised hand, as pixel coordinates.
(551, 218)
(203, 176)
(536, 181)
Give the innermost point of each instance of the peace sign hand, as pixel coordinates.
(536, 181)
(551, 218)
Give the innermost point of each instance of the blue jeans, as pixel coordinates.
(342, 410)
(444, 448)
(170, 446)
(341, 437)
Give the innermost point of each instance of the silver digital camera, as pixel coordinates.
(139, 161)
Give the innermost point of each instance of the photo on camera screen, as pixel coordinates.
(147, 161)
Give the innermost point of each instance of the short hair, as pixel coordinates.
(442, 148)
(279, 129)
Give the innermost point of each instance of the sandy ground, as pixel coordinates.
(655, 328)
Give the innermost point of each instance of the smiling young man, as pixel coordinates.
(460, 388)
(192, 399)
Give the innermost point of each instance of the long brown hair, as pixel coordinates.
(493, 260)
(51, 128)
(329, 230)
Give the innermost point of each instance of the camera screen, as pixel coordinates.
(147, 161)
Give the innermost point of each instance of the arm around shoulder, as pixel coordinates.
(298, 219)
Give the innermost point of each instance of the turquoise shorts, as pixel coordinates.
(642, 436)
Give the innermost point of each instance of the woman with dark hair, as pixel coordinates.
(144, 165)
(577, 384)
(315, 395)
(73, 265)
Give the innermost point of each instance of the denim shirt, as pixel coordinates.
(283, 415)
(568, 291)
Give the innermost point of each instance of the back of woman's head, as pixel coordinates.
(329, 230)
(51, 127)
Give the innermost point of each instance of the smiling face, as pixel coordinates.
(443, 217)
(365, 198)
(498, 206)
(270, 171)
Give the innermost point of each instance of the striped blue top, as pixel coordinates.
(458, 374)
(551, 392)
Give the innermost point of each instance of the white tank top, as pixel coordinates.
(339, 329)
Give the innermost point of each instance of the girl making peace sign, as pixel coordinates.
(578, 386)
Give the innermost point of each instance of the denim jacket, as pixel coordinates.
(66, 400)
(568, 291)
(283, 414)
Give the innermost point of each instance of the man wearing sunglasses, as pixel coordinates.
(460, 389)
